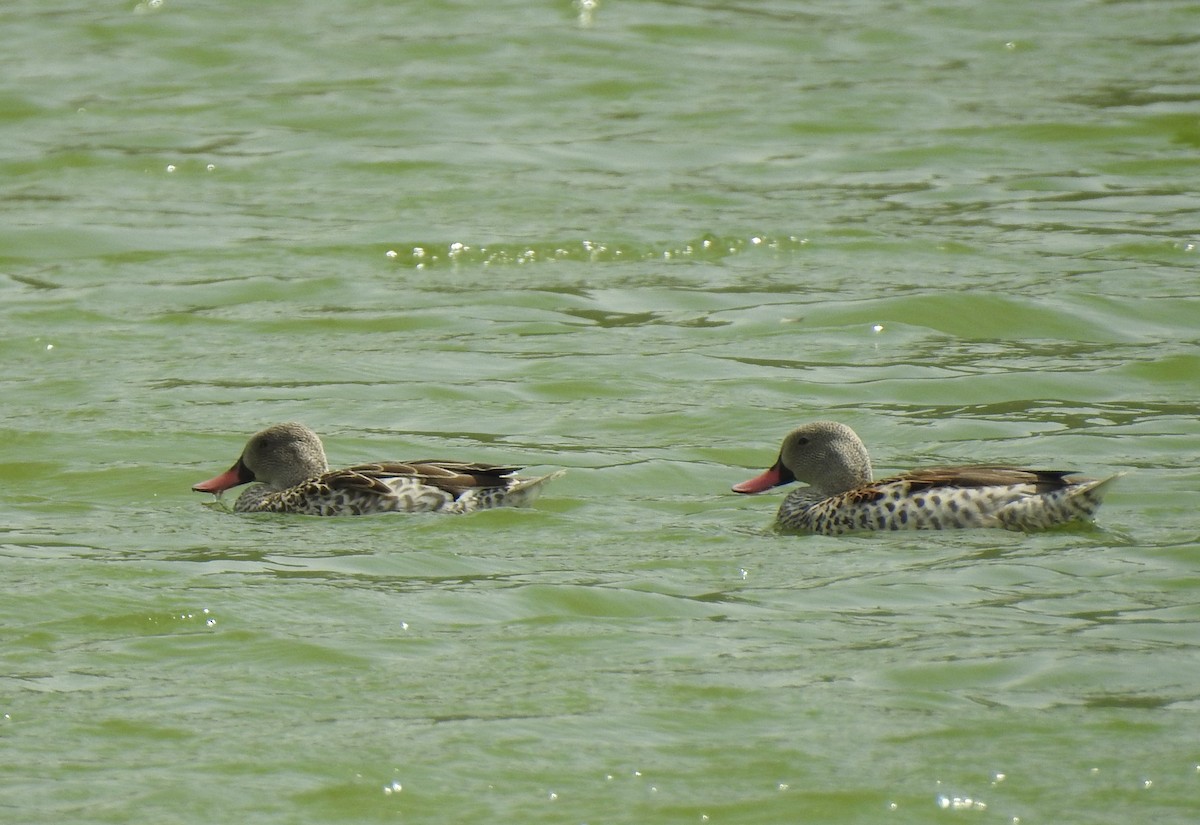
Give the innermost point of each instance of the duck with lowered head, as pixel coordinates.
(288, 473)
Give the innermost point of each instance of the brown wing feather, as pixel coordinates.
(862, 495)
(455, 477)
(436, 467)
(984, 475)
(358, 479)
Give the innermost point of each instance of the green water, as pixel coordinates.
(639, 241)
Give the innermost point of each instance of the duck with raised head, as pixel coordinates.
(841, 496)
(290, 474)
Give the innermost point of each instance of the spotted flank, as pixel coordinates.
(288, 473)
(843, 498)
(395, 488)
(900, 504)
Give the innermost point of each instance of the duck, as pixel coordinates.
(286, 468)
(842, 497)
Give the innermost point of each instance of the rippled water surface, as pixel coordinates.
(636, 240)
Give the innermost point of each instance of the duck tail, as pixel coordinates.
(525, 490)
(1078, 501)
(1090, 493)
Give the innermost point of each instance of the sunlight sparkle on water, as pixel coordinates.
(960, 803)
(587, 11)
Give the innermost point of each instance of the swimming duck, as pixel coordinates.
(288, 462)
(842, 497)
